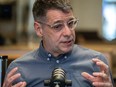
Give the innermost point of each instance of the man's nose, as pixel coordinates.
(67, 31)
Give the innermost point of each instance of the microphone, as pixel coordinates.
(58, 79)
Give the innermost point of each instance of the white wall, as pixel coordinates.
(89, 13)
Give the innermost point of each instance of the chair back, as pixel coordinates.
(3, 67)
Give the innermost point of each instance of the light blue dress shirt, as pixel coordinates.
(37, 66)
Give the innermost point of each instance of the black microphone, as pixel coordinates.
(58, 79)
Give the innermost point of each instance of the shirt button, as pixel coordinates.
(48, 59)
(57, 61)
(49, 55)
(65, 57)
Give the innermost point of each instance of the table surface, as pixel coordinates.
(15, 51)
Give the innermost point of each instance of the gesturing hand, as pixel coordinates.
(11, 76)
(102, 78)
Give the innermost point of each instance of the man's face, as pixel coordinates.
(59, 38)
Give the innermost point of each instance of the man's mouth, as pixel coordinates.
(68, 43)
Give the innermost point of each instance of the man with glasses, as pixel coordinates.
(55, 23)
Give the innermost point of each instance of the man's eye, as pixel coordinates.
(72, 23)
(57, 26)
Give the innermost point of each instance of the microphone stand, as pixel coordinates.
(57, 85)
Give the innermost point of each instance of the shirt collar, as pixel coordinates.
(48, 56)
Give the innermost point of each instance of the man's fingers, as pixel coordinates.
(88, 76)
(14, 77)
(99, 74)
(11, 76)
(9, 81)
(101, 64)
(101, 84)
(20, 84)
(102, 78)
(24, 84)
(97, 80)
(12, 72)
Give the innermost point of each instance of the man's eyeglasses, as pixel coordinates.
(58, 26)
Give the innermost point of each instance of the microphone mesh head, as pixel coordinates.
(58, 77)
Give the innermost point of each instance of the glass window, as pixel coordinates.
(109, 19)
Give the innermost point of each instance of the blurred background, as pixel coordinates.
(96, 29)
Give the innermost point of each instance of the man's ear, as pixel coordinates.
(38, 29)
